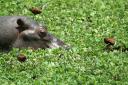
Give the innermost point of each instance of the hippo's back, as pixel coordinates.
(11, 21)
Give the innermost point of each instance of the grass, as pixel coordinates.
(81, 23)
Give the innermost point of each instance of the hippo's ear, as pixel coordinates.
(21, 25)
(20, 22)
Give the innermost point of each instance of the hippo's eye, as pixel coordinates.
(42, 33)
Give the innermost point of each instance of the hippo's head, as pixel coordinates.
(37, 38)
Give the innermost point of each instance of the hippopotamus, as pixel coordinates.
(24, 32)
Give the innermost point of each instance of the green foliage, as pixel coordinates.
(81, 23)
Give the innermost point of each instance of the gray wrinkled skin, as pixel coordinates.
(24, 32)
(9, 29)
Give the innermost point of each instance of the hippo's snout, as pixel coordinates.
(38, 38)
(53, 41)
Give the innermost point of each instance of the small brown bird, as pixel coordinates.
(21, 58)
(35, 10)
(110, 41)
